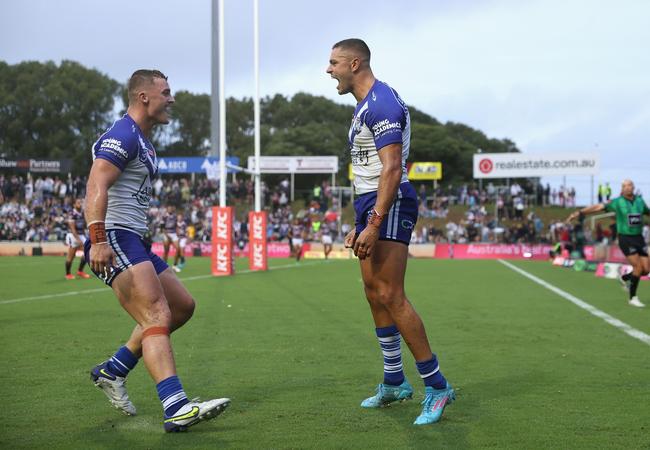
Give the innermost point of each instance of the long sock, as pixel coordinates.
(68, 264)
(389, 341)
(430, 373)
(171, 394)
(82, 264)
(122, 362)
(626, 276)
(182, 259)
(634, 284)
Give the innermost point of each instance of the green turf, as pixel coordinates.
(295, 350)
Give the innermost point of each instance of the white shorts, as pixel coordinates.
(182, 242)
(296, 242)
(171, 237)
(327, 239)
(71, 242)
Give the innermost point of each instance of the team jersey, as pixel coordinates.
(79, 221)
(182, 228)
(380, 119)
(297, 231)
(125, 146)
(628, 214)
(170, 223)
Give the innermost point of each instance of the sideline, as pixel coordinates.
(613, 321)
(198, 277)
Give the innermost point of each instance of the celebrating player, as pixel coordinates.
(629, 209)
(75, 239)
(117, 200)
(386, 212)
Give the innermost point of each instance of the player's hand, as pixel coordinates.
(366, 242)
(102, 259)
(348, 242)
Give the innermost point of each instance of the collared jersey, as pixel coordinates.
(628, 214)
(125, 146)
(380, 119)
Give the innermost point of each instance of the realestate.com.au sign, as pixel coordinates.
(519, 165)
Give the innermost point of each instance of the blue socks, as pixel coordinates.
(122, 362)
(171, 394)
(389, 341)
(430, 373)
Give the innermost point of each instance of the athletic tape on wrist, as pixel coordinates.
(97, 232)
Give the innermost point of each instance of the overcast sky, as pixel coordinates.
(552, 75)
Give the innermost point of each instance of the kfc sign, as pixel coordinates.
(222, 254)
(257, 254)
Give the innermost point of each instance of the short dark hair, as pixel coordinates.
(356, 45)
(140, 78)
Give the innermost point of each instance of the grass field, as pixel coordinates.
(295, 350)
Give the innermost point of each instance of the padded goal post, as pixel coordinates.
(223, 241)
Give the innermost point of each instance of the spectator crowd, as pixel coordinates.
(35, 209)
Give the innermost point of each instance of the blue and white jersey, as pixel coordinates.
(380, 119)
(125, 146)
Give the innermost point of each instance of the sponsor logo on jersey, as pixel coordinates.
(634, 220)
(359, 157)
(114, 146)
(384, 126)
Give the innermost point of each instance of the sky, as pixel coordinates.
(552, 75)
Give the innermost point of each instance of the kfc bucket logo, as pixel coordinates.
(485, 165)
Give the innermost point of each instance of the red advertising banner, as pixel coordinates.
(492, 251)
(223, 263)
(257, 256)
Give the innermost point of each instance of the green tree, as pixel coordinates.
(189, 130)
(51, 111)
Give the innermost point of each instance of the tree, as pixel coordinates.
(50, 111)
(189, 130)
(59, 111)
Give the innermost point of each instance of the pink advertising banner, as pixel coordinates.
(274, 249)
(492, 251)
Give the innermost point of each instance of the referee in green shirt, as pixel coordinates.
(629, 209)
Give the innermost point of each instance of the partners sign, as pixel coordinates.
(520, 165)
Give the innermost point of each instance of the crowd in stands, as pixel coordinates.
(35, 209)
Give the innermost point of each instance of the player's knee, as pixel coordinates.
(387, 296)
(158, 314)
(392, 299)
(185, 309)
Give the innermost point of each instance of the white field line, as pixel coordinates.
(613, 321)
(107, 289)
